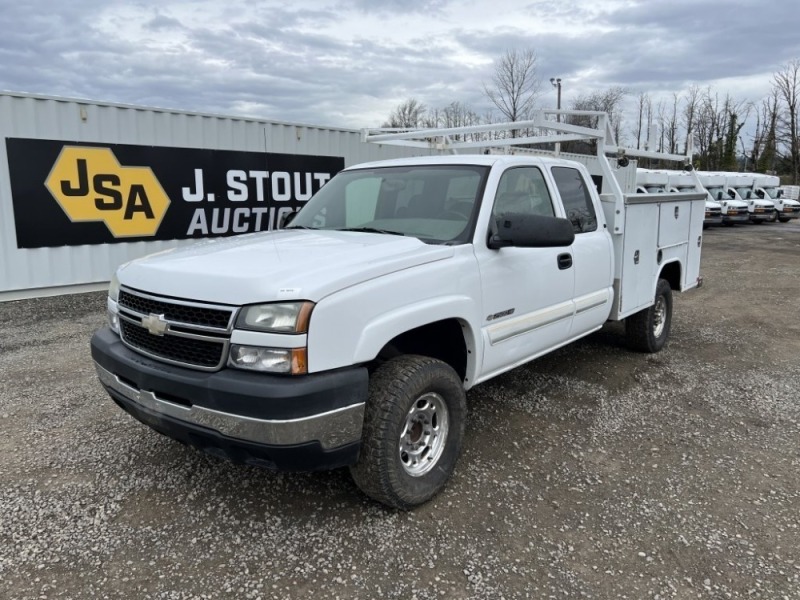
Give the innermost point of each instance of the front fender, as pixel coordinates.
(353, 325)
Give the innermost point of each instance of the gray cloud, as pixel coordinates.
(320, 64)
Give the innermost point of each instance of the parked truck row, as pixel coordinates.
(730, 197)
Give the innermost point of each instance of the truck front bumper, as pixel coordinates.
(742, 218)
(760, 217)
(303, 423)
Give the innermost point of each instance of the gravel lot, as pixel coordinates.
(591, 473)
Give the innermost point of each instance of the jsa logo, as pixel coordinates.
(91, 185)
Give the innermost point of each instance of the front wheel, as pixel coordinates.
(413, 431)
(783, 219)
(648, 330)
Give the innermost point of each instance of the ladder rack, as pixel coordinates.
(549, 126)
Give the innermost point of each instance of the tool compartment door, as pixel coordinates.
(673, 223)
(639, 257)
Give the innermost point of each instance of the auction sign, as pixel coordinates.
(70, 194)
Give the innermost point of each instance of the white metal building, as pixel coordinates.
(65, 164)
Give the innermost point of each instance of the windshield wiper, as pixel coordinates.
(300, 227)
(371, 230)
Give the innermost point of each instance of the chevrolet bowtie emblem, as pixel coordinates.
(155, 324)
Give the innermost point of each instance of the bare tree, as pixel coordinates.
(787, 83)
(409, 113)
(458, 114)
(515, 84)
(671, 126)
(765, 143)
(608, 101)
(690, 114)
(644, 108)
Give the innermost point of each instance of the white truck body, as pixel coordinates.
(792, 192)
(279, 348)
(767, 187)
(733, 210)
(651, 181)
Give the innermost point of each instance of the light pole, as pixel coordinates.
(556, 83)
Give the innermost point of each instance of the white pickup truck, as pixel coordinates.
(350, 337)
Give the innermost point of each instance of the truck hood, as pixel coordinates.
(276, 265)
(763, 203)
(735, 203)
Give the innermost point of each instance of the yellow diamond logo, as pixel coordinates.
(90, 185)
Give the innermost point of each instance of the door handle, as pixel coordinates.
(564, 261)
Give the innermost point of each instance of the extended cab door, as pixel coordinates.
(592, 250)
(527, 292)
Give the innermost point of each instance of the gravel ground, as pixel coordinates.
(591, 473)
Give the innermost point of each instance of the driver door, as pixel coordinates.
(527, 292)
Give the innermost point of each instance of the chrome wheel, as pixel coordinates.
(424, 434)
(659, 316)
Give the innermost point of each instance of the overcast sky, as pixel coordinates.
(350, 62)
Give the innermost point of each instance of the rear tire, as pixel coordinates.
(413, 431)
(648, 330)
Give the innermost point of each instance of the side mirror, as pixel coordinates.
(531, 231)
(719, 195)
(285, 219)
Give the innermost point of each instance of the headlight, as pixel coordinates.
(277, 317)
(113, 288)
(270, 360)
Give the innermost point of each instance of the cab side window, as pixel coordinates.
(576, 198)
(522, 190)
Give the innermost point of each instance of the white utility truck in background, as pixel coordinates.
(651, 181)
(658, 181)
(767, 187)
(351, 336)
(733, 210)
(739, 186)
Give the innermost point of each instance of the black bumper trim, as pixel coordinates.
(309, 456)
(256, 395)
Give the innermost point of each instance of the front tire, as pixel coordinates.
(783, 219)
(648, 330)
(413, 431)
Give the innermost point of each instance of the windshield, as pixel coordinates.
(772, 192)
(744, 192)
(717, 193)
(433, 203)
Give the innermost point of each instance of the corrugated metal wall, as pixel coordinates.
(42, 271)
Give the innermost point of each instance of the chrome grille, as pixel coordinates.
(184, 351)
(189, 313)
(191, 334)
